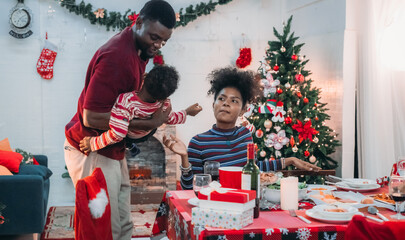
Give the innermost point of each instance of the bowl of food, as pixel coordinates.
(272, 192)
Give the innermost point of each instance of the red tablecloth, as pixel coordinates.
(174, 217)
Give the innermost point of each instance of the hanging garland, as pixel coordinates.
(119, 21)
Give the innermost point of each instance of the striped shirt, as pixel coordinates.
(227, 146)
(127, 107)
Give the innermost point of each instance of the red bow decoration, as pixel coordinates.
(158, 59)
(133, 18)
(306, 131)
(245, 57)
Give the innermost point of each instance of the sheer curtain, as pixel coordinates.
(381, 86)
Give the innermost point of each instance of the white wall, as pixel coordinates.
(34, 111)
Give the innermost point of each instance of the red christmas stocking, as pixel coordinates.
(46, 60)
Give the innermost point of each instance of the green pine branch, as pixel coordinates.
(116, 20)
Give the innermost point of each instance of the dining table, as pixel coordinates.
(174, 221)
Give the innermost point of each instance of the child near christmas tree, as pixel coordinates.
(227, 143)
(158, 85)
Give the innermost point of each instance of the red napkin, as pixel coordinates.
(361, 229)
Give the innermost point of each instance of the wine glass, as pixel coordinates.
(212, 168)
(200, 181)
(396, 189)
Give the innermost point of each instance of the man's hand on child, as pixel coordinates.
(85, 145)
(193, 109)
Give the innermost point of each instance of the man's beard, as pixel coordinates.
(145, 56)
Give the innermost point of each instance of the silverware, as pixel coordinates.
(369, 217)
(373, 210)
(293, 214)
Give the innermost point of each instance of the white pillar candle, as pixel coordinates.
(289, 193)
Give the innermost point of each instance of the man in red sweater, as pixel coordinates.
(117, 67)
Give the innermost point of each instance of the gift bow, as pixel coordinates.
(213, 186)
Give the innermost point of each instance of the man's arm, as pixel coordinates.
(96, 120)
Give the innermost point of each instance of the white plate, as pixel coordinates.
(359, 182)
(344, 186)
(193, 201)
(322, 210)
(326, 187)
(314, 214)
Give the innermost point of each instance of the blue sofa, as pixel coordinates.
(25, 196)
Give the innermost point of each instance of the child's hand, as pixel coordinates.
(175, 144)
(193, 109)
(85, 145)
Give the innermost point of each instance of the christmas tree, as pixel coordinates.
(289, 119)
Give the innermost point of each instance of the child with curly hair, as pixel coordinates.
(225, 142)
(158, 85)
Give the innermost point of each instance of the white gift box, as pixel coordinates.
(221, 218)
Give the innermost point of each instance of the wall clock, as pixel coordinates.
(20, 20)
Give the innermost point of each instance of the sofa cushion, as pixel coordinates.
(11, 160)
(5, 145)
(35, 170)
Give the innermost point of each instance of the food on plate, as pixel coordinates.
(268, 177)
(336, 210)
(330, 199)
(320, 189)
(384, 197)
(368, 200)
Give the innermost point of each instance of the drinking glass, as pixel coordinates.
(212, 168)
(396, 189)
(401, 166)
(200, 181)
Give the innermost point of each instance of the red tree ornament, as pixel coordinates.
(288, 120)
(299, 94)
(294, 57)
(306, 153)
(292, 141)
(276, 68)
(306, 100)
(299, 78)
(245, 57)
(279, 91)
(259, 133)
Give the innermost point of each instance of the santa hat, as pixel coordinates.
(93, 211)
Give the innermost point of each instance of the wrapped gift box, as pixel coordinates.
(221, 218)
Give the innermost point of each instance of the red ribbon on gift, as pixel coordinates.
(232, 195)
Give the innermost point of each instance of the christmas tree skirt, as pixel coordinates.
(59, 221)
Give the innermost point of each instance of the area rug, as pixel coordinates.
(59, 221)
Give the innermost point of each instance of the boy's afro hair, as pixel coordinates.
(161, 81)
